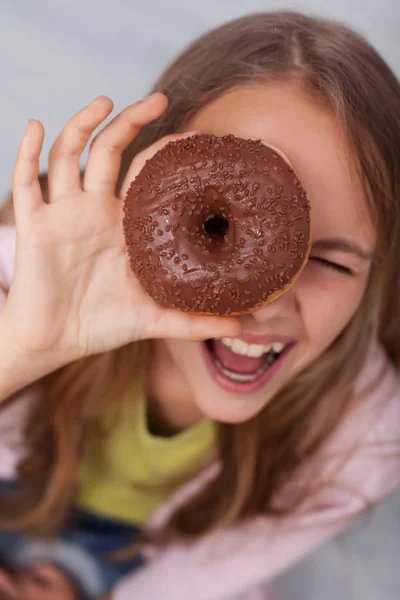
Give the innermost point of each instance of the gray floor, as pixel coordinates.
(58, 55)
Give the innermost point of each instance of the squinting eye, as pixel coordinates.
(331, 265)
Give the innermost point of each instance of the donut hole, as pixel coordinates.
(216, 228)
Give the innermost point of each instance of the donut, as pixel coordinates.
(216, 225)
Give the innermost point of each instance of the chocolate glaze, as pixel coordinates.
(216, 224)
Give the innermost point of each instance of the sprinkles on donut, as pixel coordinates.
(217, 225)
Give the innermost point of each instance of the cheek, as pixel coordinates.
(327, 303)
(175, 350)
(183, 356)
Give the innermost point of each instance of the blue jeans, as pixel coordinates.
(81, 550)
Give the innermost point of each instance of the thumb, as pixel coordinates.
(173, 324)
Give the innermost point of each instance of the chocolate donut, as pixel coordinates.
(216, 225)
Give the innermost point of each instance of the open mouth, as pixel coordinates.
(242, 367)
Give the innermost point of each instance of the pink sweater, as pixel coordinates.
(238, 563)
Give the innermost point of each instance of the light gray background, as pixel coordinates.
(58, 55)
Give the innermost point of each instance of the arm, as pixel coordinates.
(17, 371)
(18, 368)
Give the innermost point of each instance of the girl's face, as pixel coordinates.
(191, 379)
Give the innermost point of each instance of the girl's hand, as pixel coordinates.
(73, 292)
(39, 582)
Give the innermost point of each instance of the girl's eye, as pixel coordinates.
(332, 265)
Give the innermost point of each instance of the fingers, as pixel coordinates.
(177, 325)
(41, 581)
(140, 159)
(33, 588)
(36, 582)
(48, 575)
(104, 159)
(27, 195)
(8, 586)
(64, 168)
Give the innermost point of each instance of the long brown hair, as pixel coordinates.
(339, 69)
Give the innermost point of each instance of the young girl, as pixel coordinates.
(132, 465)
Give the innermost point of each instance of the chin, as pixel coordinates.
(232, 409)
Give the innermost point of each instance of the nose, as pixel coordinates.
(285, 306)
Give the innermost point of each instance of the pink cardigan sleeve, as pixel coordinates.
(13, 415)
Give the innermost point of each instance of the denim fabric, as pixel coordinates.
(81, 550)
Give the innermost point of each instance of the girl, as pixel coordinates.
(129, 459)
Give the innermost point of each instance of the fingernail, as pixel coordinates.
(152, 96)
(30, 121)
(102, 99)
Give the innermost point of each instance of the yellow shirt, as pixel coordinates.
(127, 474)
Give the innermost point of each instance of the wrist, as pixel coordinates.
(20, 367)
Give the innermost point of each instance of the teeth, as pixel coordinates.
(239, 347)
(242, 377)
(278, 347)
(255, 350)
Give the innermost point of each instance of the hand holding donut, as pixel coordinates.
(73, 292)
